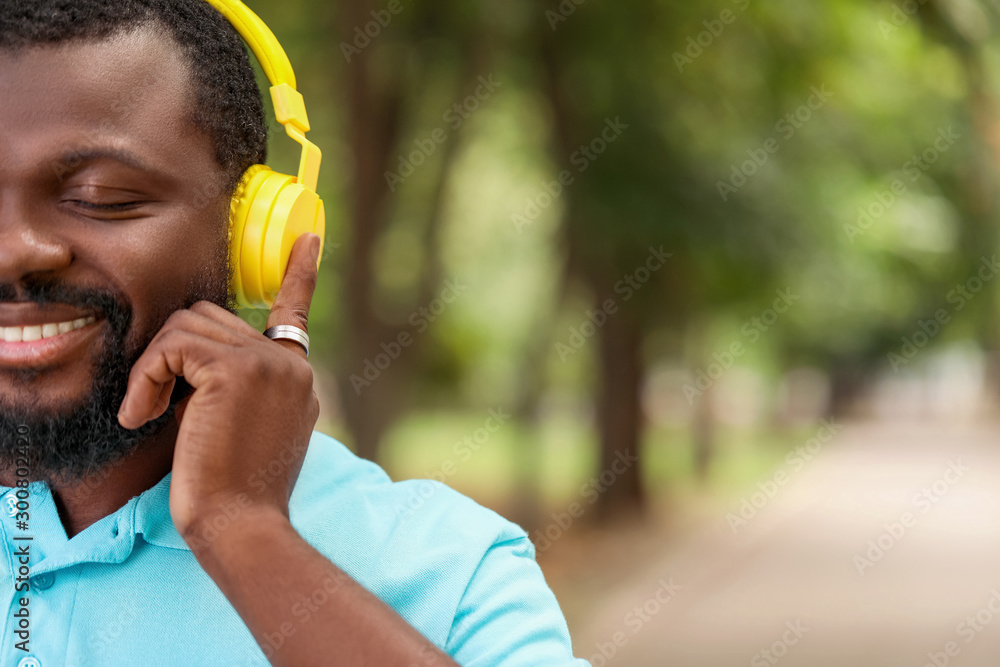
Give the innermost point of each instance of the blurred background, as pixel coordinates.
(701, 294)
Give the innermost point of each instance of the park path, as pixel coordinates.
(788, 582)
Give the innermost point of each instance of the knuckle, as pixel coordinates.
(256, 368)
(301, 315)
(302, 371)
(298, 374)
(180, 319)
(171, 337)
(203, 307)
(297, 314)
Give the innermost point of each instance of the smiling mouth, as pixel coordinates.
(46, 344)
(36, 332)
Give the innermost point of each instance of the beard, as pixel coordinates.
(68, 446)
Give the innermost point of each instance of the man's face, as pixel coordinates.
(112, 207)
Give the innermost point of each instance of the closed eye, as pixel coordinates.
(114, 208)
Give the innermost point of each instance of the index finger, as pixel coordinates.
(291, 306)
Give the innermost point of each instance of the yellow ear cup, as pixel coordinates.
(239, 210)
(296, 211)
(270, 211)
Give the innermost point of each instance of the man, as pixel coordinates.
(151, 441)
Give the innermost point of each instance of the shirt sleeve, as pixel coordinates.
(508, 615)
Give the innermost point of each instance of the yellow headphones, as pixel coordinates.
(271, 210)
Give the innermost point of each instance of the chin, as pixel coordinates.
(43, 393)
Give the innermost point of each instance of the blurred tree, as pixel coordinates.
(402, 58)
(647, 233)
(698, 158)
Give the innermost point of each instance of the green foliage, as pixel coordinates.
(719, 158)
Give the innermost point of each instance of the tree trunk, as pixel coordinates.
(619, 415)
(618, 403)
(374, 394)
(373, 126)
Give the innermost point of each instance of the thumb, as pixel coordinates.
(291, 305)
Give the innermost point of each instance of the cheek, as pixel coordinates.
(158, 262)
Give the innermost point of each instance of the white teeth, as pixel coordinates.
(40, 331)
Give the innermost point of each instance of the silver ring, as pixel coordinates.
(287, 332)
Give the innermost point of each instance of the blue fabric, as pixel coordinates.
(127, 590)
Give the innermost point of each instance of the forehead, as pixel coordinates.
(131, 92)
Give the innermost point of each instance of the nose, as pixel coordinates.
(27, 245)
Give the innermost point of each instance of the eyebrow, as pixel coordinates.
(73, 160)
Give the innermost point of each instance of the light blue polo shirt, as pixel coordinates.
(127, 590)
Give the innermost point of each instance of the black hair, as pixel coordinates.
(228, 104)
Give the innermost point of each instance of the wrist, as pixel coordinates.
(221, 522)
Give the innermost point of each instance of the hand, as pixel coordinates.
(253, 408)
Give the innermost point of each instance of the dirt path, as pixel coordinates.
(882, 551)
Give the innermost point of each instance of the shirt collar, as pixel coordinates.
(151, 517)
(110, 539)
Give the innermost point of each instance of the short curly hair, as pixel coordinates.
(228, 103)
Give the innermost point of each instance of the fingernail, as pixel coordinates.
(317, 242)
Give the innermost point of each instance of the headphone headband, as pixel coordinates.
(289, 107)
(260, 39)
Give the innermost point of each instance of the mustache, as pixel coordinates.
(106, 303)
